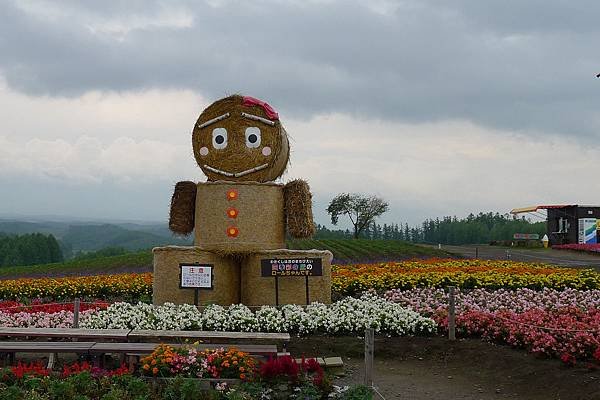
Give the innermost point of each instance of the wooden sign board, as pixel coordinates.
(526, 236)
(291, 267)
(196, 276)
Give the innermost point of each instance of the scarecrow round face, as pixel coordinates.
(240, 139)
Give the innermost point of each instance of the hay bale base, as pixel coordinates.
(226, 277)
(257, 290)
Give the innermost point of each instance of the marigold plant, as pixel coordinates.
(229, 364)
(188, 361)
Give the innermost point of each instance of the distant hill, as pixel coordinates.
(84, 237)
(95, 237)
(23, 227)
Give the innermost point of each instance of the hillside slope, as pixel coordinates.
(344, 251)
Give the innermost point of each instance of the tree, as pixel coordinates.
(362, 210)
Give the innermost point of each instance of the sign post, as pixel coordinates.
(290, 267)
(196, 276)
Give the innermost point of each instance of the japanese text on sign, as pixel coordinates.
(196, 276)
(291, 267)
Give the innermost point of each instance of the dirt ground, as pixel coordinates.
(437, 369)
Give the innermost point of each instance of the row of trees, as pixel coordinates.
(30, 249)
(481, 228)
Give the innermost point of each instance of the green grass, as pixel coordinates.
(363, 250)
(345, 251)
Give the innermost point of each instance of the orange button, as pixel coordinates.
(232, 231)
(232, 213)
(232, 194)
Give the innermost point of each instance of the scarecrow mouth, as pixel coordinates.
(235, 174)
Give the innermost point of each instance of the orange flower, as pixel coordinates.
(146, 367)
(242, 376)
(155, 370)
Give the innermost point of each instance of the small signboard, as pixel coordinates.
(526, 236)
(291, 267)
(587, 231)
(196, 276)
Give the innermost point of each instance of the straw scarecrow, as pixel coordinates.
(240, 215)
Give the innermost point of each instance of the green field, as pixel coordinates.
(345, 251)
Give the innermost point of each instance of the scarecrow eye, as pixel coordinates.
(252, 137)
(219, 138)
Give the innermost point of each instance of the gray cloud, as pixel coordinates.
(525, 66)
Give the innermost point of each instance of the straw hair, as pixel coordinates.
(236, 157)
(298, 209)
(183, 206)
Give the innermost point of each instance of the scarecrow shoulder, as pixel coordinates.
(298, 209)
(183, 205)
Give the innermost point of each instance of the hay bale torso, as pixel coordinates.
(239, 217)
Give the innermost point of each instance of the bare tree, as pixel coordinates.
(362, 210)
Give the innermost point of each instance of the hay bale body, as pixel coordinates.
(258, 290)
(236, 156)
(258, 221)
(226, 276)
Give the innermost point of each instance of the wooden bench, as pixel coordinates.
(206, 336)
(67, 333)
(138, 342)
(11, 348)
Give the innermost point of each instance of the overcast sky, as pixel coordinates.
(441, 107)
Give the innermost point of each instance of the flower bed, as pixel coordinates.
(60, 319)
(587, 248)
(37, 305)
(128, 286)
(277, 378)
(563, 324)
(346, 279)
(189, 362)
(492, 274)
(347, 316)
(429, 301)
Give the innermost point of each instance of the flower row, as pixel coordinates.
(428, 301)
(60, 319)
(128, 286)
(556, 323)
(492, 274)
(585, 247)
(36, 306)
(347, 316)
(573, 333)
(277, 378)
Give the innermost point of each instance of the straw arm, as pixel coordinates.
(298, 209)
(183, 207)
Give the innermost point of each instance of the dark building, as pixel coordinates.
(569, 223)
